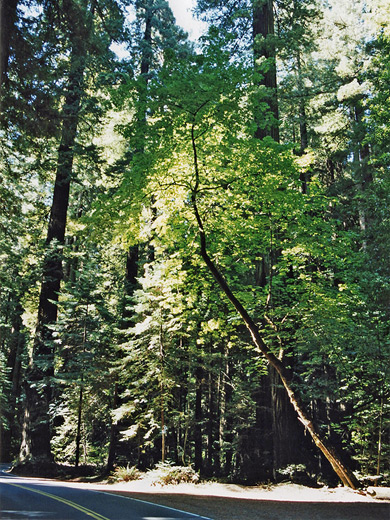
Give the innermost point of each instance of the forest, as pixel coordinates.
(194, 238)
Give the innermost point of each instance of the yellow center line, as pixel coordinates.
(69, 503)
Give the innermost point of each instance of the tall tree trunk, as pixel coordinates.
(162, 394)
(302, 105)
(79, 421)
(226, 434)
(380, 432)
(304, 140)
(269, 435)
(8, 17)
(37, 429)
(112, 449)
(262, 441)
(210, 423)
(362, 170)
(81, 393)
(130, 286)
(264, 47)
(10, 435)
(274, 412)
(198, 420)
(132, 259)
(287, 433)
(342, 471)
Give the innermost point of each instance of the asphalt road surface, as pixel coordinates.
(22, 498)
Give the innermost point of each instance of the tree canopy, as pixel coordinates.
(193, 238)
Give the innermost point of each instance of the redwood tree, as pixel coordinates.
(76, 22)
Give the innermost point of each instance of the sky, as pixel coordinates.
(182, 11)
(184, 18)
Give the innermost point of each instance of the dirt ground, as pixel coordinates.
(278, 502)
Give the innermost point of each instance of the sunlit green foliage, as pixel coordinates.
(300, 231)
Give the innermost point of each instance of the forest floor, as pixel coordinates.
(275, 502)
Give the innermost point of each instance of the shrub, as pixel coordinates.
(166, 473)
(126, 474)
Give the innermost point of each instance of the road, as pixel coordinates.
(22, 498)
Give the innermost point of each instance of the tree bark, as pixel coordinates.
(264, 47)
(8, 16)
(304, 139)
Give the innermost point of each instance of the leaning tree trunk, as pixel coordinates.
(36, 428)
(343, 472)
